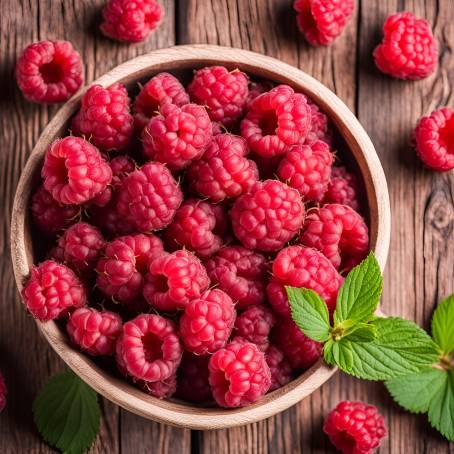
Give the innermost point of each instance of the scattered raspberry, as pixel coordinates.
(207, 322)
(130, 21)
(3, 392)
(173, 280)
(49, 71)
(51, 290)
(319, 126)
(178, 135)
(149, 197)
(74, 171)
(161, 389)
(408, 50)
(280, 368)
(238, 375)
(343, 189)
(268, 216)
(300, 266)
(434, 137)
(224, 171)
(193, 383)
(95, 332)
(355, 427)
(322, 21)
(307, 168)
(223, 92)
(276, 120)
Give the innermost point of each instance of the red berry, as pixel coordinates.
(280, 368)
(108, 219)
(49, 71)
(343, 189)
(3, 392)
(319, 126)
(162, 389)
(193, 384)
(256, 89)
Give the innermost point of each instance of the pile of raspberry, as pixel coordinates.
(170, 224)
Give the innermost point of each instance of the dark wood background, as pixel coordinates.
(420, 267)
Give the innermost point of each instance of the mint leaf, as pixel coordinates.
(362, 332)
(67, 414)
(443, 325)
(441, 409)
(359, 295)
(309, 312)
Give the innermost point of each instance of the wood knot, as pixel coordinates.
(440, 213)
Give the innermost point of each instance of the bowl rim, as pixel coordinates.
(121, 392)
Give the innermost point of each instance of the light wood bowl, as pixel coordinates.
(177, 59)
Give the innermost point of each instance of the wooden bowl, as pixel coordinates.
(180, 59)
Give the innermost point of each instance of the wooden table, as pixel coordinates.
(420, 267)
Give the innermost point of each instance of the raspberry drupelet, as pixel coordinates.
(280, 368)
(192, 374)
(343, 188)
(162, 389)
(3, 392)
(319, 126)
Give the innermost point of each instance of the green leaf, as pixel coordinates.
(67, 414)
(362, 332)
(443, 325)
(441, 409)
(309, 312)
(328, 353)
(360, 294)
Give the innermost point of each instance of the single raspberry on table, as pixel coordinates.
(130, 21)
(355, 427)
(238, 375)
(434, 137)
(343, 188)
(162, 389)
(322, 21)
(52, 290)
(207, 322)
(409, 49)
(280, 368)
(223, 92)
(268, 216)
(192, 374)
(49, 71)
(319, 126)
(275, 121)
(94, 332)
(3, 392)
(74, 171)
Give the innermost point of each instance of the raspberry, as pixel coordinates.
(276, 120)
(307, 168)
(299, 266)
(149, 197)
(74, 171)
(104, 117)
(159, 90)
(343, 189)
(239, 272)
(339, 232)
(224, 171)
(194, 228)
(3, 392)
(408, 50)
(223, 92)
(207, 322)
(300, 351)
(238, 375)
(94, 332)
(173, 280)
(130, 21)
(51, 290)
(150, 348)
(322, 21)
(49, 71)
(161, 389)
(256, 89)
(355, 427)
(319, 126)
(192, 375)
(280, 368)
(109, 220)
(178, 135)
(268, 216)
(434, 137)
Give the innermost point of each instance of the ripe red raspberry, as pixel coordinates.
(319, 126)
(49, 71)
(301, 351)
(408, 50)
(434, 137)
(207, 322)
(130, 21)
(223, 92)
(159, 90)
(74, 171)
(104, 117)
(256, 89)
(3, 392)
(178, 135)
(275, 121)
(280, 368)
(300, 266)
(51, 290)
(322, 21)
(224, 171)
(339, 233)
(238, 375)
(355, 427)
(268, 216)
(193, 384)
(94, 332)
(162, 389)
(109, 220)
(149, 197)
(307, 168)
(343, 188)
(173, 280)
